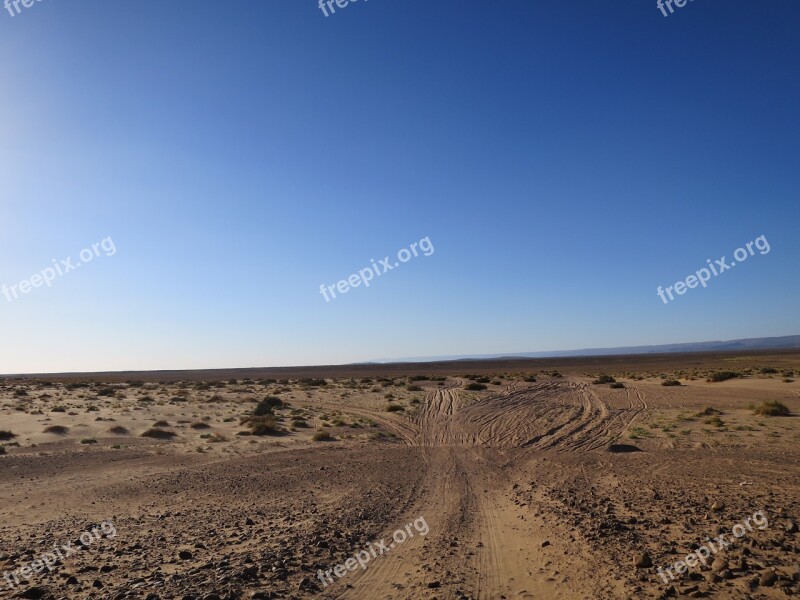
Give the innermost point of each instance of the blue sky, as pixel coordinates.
(565, 159)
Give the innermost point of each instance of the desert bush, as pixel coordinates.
(2, 450)
(414, 388)
(604, 379)
(617, 385)
(322, 436)
(118, 430)
(416, 378)
(6, 435)
(264, 425)
(723, 376)
(267, 406)
(88, 441)
(773, 408)
(670, 382)
(158, 434)
(530, 379)
(161, 424)
(57, 429)
(199, 425)
(300, 423)
(767, 370)
(708, 412)
(394, 408)
(106, 391)
(475, 387)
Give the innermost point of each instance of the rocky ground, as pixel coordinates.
(533, 483)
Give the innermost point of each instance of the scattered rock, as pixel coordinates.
(643, 561)
(768, 579)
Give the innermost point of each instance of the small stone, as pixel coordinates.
(719, 564)
(545, 544)
(643, 561)
(768, 579)
(185, 555)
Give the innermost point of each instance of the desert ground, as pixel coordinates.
(551, 478)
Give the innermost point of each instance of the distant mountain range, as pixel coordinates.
(765, 343)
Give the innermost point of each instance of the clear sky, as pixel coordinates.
(564, 159)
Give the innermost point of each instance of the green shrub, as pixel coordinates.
(264, 425)
(773, 408)
(475, 387)
(158, 434)
(723, 376)
(57, 429)
(267, 406)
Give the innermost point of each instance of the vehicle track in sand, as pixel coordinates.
(480, 544)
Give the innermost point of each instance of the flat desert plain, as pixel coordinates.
(559, 478)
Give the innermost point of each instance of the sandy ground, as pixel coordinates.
(542, 485)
